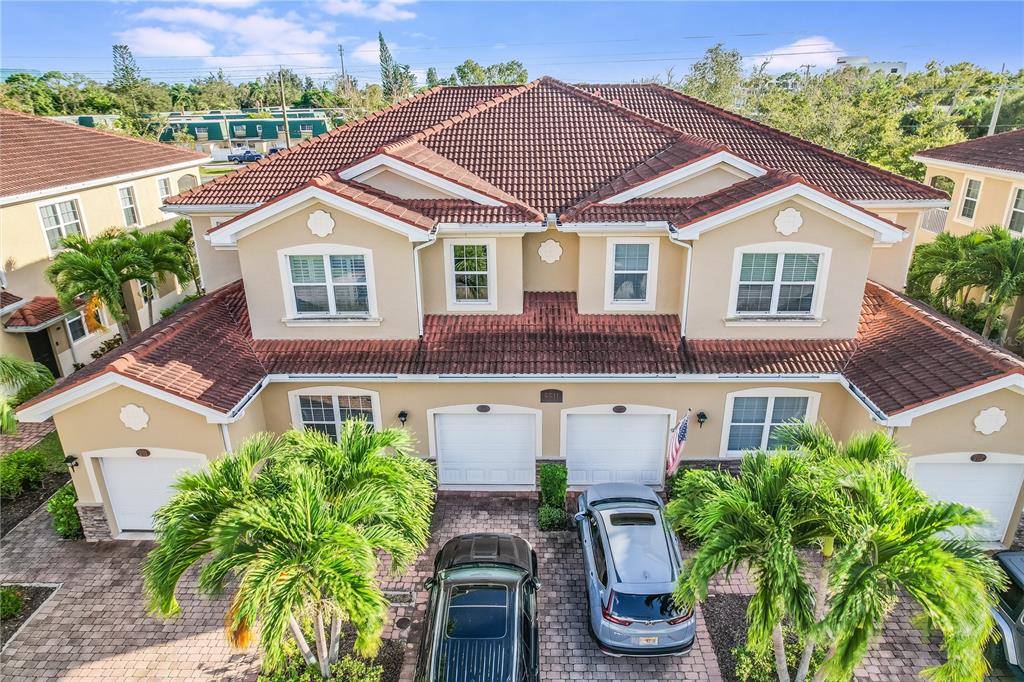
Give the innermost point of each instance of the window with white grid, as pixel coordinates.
(60, 220)
(972, 191)
(755, 420)
(163, 186)
(783, 284)
(472, 279)
(1015, 221)
(129, 208)
(329, 285)
(326, 413)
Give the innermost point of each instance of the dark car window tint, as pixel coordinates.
(599, 559)
(1012, 597)
(477, 612)
(632, 519)
(644, 606)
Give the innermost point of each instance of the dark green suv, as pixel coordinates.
(481, 621)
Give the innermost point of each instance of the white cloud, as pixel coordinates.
(228, 3)
(151, 41)
(368, 52)
(818, 51)
(383, 10)
(421, 76)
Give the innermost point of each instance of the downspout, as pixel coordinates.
(431, 238)
(672, 232)
(226, 437)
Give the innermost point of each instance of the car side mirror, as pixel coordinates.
(429, 583)
(579, 517)
(535, 584)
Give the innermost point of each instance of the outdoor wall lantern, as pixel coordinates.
(71, 461)
(403, 416)
(702, 417)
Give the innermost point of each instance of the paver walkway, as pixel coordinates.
(28, 434)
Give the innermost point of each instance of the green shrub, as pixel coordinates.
(552, 518)
(20, 471)
(348, 668)
(167, 312)
(65, 516)
(107, 346)
(10, 602)
(553, 484)
(34, 388)
(759, 666)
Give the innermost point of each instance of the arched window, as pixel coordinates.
(187, 182)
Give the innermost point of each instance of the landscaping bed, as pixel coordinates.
(32, 597)
(54, 472)
(725, 618)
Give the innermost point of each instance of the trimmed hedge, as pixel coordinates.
(552, 518)
(20, 471)
(61, 506)
(553, 485)
(10, 602)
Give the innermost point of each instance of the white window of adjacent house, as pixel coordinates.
(202, 133)
(1015, 221)
(163, 186)
(239, 131)
(632, 273)
(129, 207)
(326, 409)
(60, 219)
(778, 280)
(972, 191)
(470, 275)
(78, 328)
(331, 285)
(753, 417)
(305, 130)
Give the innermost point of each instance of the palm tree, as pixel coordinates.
(165, 256)
(16, 374)
(942, 270)
(182, 97)
(97, 270)
(999, 267)
(181, 232)
(300, 521)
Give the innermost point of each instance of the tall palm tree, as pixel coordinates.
(181, 232)
(942, 270)
(166, 257)
(300, 521)
(999, 268)
(16, 374)
(97, 270)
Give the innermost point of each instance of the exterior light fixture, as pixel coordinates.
(403, 416)
(71, 461)
(701, 418)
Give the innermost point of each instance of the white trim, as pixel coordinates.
(220, 209)
(410, 172)
(230, 234)
(650, 299)
(332, 391)
(810, 416)
(688, 171)
(641, 228)
(454, 305)
(324, 251)
(98, 182)
(170, 188)
(1010, 381)
(961, 198)
(609, 409)
(496, 408)
(490, 229)
(53, 201)
(970, 167)
(883, 231)
(813, 318)
(1014, 189)
(882, 204)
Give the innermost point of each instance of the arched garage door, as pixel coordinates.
(991, 483)
(616, 443)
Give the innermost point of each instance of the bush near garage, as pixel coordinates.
(553, 485)
(10, 602)
(62, 508)
(20, 471)
(552, 518)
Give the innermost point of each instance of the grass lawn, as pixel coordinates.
(215, 170)
(52, 451)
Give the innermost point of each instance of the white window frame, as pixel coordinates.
(454, 304)
(1014, 190)
(334, 392)
(650, 301)
(53, 202)
(824, 254)
(305, 130)
(160, 192)
(962, 200)
(326, 250)
(810, 417)
(80, 313)
(135, 205)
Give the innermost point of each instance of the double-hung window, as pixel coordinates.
(128, 206)
(163, 186)
(972, 190)
(329, 285)
(779, 284)
(1015, 221)
(60, 220)
(78, 326)
(470, 273)
(755, 419)
(632, 275)
(326, 413)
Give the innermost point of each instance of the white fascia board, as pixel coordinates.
(653, 226)
(907, 204)
(564, 378)
(1011, 381)
(496, 229)
(955, 165)
(229, 234)
(12, 307)
(419, 175)
(884, 232)
(99, 182)
(199, 209)
(685, 172)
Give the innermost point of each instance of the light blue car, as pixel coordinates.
(632, 562)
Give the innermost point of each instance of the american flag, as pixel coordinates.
(675, 450)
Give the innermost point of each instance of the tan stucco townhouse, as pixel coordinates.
(60, 179)
(548, 273)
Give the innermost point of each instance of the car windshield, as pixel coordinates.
(477, 612)
(644, 606)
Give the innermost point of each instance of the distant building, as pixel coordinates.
(892, 68)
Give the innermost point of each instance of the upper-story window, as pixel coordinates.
(163, 186)
(305, 130)
(1015, 221)
(631, 274)
(470, 273)
(972, 191)
(60, 219)
(239, 131)
(79, 327)
(778, 280)
(202, 133)
(329, 282)
(753, 417)
(129, 208)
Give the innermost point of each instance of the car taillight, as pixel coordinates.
(680, 619)
(606, 612)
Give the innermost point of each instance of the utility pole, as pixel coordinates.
(999, 102)
(341, 53)
(807, 69)
(284, 108)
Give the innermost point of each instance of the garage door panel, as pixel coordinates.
(991, 487)
(484, 450)
(611, 448)
(138, 486)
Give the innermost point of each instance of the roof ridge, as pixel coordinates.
(967, 143)
(474, 110)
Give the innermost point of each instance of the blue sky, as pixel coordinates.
(175, 40)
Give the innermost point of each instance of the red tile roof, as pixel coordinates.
(1004, 151)
(903, 356)
(8, 299)
(40, 310)
(551, 145)
(38, 153)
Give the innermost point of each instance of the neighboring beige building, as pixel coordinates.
(60, 179)
(548, 273)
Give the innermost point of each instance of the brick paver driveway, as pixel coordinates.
(94, 627)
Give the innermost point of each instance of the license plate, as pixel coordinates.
(648, 640)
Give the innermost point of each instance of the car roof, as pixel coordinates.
(502, 549)
(621, 491)
(1013, 564)
(640, 554)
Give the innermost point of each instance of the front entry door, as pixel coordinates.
(42, 351)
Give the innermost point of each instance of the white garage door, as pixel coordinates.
(991, 486)
(138, 486)
(486, 451)
(616, 448)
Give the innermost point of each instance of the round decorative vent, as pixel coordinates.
(134, 417)
(550, 251)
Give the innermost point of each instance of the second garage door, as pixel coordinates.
(616, 448)
(138, 486)
(486, 451)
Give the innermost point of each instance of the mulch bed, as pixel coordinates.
(33, 598)
(725, 617)
(390, 659)
(13, 512)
